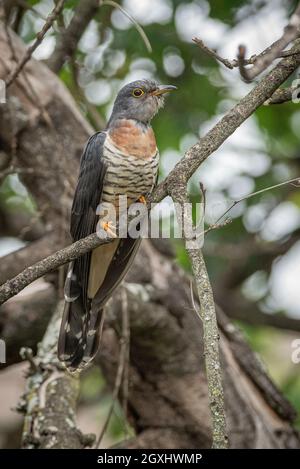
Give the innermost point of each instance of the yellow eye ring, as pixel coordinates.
(138, 92)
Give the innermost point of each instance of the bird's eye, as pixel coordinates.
(137, 92)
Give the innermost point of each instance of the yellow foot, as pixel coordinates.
(143, 200)
(109, 228)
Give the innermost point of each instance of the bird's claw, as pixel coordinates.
(143, 200)
(109, 228)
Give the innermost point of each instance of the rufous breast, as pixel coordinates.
(133, 139)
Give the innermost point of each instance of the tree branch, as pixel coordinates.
(238, 307)
(263, 60)
(208, 144)
(17, 261)
(283, 95)
(39, 38)
(166, 352)
(66, 43)
(207, 314)
(182, 171)
(50, 263)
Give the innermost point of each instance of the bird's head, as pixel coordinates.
(140, 100)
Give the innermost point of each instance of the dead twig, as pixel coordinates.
(295, 181)
(136, 24)
(274, 51)
(234, 63)
(212, 53)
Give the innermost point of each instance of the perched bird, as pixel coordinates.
(119, 161)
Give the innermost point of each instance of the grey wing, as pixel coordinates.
(83, 222)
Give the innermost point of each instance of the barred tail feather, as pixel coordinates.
(79, 336)
(83, 317)
(92, 336)
(80, 330)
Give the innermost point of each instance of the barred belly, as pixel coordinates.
(127, 175)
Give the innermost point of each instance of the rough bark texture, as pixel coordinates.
(168, 402)
(49, 401)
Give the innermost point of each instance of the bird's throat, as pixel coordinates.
(133, 138)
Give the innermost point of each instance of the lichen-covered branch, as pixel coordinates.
(211, 348)
(207, 313)
(52, 262)
(50, 398)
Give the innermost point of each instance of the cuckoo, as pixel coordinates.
(119, 161)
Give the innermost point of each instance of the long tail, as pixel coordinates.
(83, 317)
(81, 329)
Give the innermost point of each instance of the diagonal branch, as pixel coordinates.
(52, 262)
(263, 60)
(283, 95)
(67, 42)
(181, 173)
(39, 38)
(227, 125)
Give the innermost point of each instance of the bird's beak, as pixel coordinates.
(163, 89)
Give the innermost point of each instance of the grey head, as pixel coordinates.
(139, 100)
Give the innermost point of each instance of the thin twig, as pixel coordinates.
(121, 364)
(39, 38)
(98, 121)
(26, 6)
(136, 24)
(29, 89)
(15, 170)
(253, 194)
(203, 197)
(231, 64)
(195, 307)
(263, 60)
(283, 95)
(212, 53)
